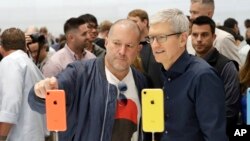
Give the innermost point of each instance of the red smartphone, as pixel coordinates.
(56, 110)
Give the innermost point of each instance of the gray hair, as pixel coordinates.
(205, 2)
(175, 17)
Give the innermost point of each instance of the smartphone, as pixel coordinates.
(56, 110)
(248, 106)
(152, 110)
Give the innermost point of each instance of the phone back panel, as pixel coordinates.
(248, 106)
(56, 110)
(152, 110)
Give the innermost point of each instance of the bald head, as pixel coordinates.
(125, 24)
(31, 30)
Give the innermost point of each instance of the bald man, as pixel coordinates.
(102, 94)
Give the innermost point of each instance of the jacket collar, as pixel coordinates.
(212, 56)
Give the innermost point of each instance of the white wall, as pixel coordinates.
(53, 13)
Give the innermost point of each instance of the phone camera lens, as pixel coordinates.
(152, 102)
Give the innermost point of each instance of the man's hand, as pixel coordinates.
(4, 130)
(44, 85)
(28, 39)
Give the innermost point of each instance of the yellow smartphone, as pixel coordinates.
(152, 110)
(56, 110)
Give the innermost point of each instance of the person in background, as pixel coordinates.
(224, 41)
(194, 97)
(239, 42)
(33, 30)
(18, 74)
(103, 30)
(50, 39)
(145, 61)
(92, 35)
(232, 24)
(38, 49)
(247, 35)
(60, 42)
(102, 94)
(75, 30)
(203, 36)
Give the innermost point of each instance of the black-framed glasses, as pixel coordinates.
(161, 38)
(122, 99)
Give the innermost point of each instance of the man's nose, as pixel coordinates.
(122, 50)
(155, 43)
(199, 38)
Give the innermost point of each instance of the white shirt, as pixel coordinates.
(131, 93)
(17, 76)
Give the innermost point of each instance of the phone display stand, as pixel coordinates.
(56, 136)
(153, 136)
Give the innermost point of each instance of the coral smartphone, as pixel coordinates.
(248, 106)
(152, 110)
(56, 110)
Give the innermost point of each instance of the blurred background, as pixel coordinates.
(53, 13)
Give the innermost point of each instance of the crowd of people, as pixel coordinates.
(202, 68)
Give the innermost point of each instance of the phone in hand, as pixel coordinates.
(152, 110)
(56, 110)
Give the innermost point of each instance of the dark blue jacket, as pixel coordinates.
(90, 100)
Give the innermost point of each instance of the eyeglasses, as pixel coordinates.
(160, 38)
(122, 99)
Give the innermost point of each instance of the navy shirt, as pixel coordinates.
(193, 102)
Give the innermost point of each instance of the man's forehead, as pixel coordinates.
(134, 18)
(83, 27)
(33, 46)
(91, 25)
(205, 28)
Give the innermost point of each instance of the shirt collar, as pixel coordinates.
(212, 56)
(179, 67)
(72, 53)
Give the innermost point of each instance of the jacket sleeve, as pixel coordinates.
(210, 107)
(36, 103)
(232, 89)
(227, 47)
(66, 81)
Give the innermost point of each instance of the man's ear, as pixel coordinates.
(106, 42)
(2, 51)
(140, 46)
(183, 39)
(69, 36)
(145, 21)
(210, 13)
(214, 36)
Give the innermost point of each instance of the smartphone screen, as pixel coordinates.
(152, 110)
(56, 110)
